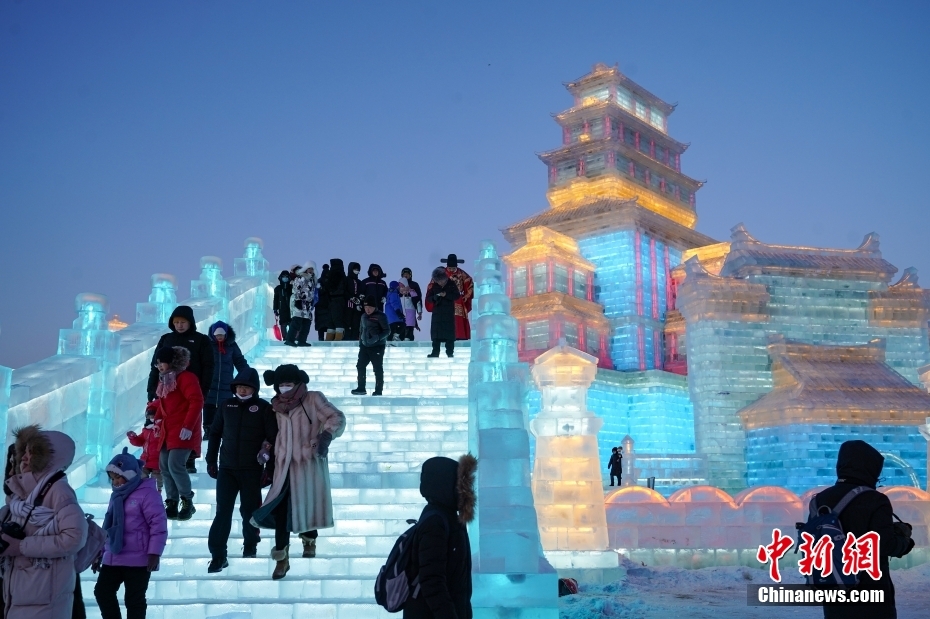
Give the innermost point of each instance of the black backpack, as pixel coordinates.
(393, 586)
(825, 521)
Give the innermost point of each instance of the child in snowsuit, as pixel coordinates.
(615, 465)
(413, 307)
(394, 310)
(137, 531)
(150, 442)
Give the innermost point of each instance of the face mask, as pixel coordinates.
(284, 389)
(356, 271)
(285, 280)
(244, 397)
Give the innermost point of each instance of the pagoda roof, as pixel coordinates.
(602, 74)
(549, 303)
(543, 242)
(577, 149)
(607, 215)
(588, 111)
(847, 385)
(749, 256)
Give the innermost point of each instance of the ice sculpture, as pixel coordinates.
(91, 337)
(511, 577)
(567, 484)
(211, 285)
(162, 300)
(629, 462)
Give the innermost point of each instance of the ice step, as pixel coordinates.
(278, 609)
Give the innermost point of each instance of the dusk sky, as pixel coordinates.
(137, 137)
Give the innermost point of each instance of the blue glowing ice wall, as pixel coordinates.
(90, 337)
(511, 577)
(631, 282)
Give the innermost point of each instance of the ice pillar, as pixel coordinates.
(90, 337)
(567, 483)
(211, 285)
(511, 577)
(254, 265)
(924, 432)
(629, 462)
(162, 300)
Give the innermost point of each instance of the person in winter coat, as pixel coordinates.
(226, 356)
(615, 465)
(440, 300)
(300, 498)
(137, 532)
(441, 543)
(860, 464)
(150, 442)
(394, 310)
(412, 305)
(371, 342)
(338, 303)
(302, 299)
(282, 300)
(373, 286)
(353, 301)
(242, 434)
(178, 408)
(407, 273)
(38, 571)
(321, 304)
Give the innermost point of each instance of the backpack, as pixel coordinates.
(96, 538)
(567, 586)
(393, 586)
(825, 521)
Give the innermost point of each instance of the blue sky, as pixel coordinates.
(137, 137)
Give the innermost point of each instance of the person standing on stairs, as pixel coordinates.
(441, 297)
(615, 465)
(302, 295)
(407, 274)
(412, 304)
(336, 284)
(373, 286)
(137, 532)
(178, 408)
(353, 301)
(184, 333)
(371, 343)
(300, 498)
(226, 356)
(242, 435)
(394, 310)
(282, 300)
(321, 304)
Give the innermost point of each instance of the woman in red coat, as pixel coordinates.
(179, 406)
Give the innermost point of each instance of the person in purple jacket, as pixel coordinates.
(137, 531)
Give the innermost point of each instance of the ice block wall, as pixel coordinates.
(510, 575)
(567, 484)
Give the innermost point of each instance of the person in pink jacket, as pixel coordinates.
(137, 531)
(178, 406)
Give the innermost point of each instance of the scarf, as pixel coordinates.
(167, 383)
(41, 517)
(284, 402)
(221, 346)
(116, 516)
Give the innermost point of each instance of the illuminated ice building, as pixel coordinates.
(690, 333)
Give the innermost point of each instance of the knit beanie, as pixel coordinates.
(125, 465)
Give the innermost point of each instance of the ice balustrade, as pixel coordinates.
(94, 388)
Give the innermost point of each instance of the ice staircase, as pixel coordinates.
(374, 468)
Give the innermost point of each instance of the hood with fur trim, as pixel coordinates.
(49, 450)
(451, 485)
(185, 312)
(374, 266)
(180, 358)
(230, 333)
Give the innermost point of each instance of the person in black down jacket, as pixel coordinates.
(440, 300)
(226, 356)
(374, 287)
(282, 299)
(353, 301)
(371, 342)
(441, 543)
(336, 287)
(243, 434)
(321, 308)
(859, 464)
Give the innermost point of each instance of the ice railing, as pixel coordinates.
(703, 526)
(94, 388)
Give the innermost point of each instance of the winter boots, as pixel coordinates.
(171, 509)
(329, 337)
(359, 391)
(217, 565)
(338, 336)
(282, 565)
(187, 510)
(309, 548)
(378, 387)
(249, 551)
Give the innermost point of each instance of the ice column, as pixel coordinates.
(211, 285)
(924, 432)
(511, 577)
(254, 265)
(629, 462)
(90, 337)
(567, 483)
(162, 300)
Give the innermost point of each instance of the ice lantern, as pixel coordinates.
(567, 485)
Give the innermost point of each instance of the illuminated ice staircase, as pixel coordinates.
(375, 473)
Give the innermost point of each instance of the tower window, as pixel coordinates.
(561, 278)
(537, 335)
(540, 278)
(519, 282)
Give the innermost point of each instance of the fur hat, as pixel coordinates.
(288, 373)
(439, 274)
(177, 357)
(125, 465)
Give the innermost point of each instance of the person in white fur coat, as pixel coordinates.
(300, 498)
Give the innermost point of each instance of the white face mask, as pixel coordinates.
(244, 397)
(284, 389)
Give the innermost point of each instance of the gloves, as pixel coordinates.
(265, 454)
(213, 471)
(186, 434)
(132, 435)
(95, 566)
(153, 563)
(13, 549)
(322, 448)
(903, 529)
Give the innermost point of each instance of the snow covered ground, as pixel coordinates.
(715, 593)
